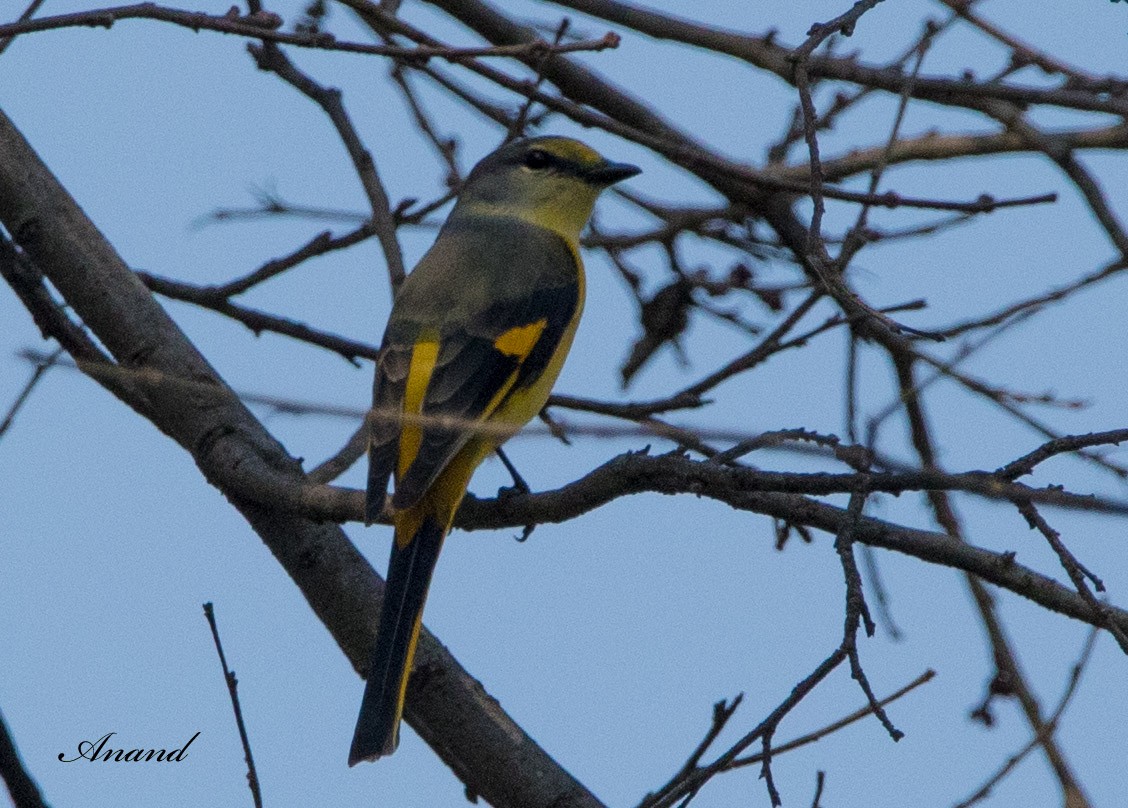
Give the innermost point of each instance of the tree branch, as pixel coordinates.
(21, 786)
(262, 25)
(445, 704)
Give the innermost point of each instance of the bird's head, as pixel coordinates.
(550, 181)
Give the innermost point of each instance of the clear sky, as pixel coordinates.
(607, 638)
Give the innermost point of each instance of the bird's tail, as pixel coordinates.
(414, 553)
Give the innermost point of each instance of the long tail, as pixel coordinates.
(409, 575)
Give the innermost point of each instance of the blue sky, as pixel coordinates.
(610, 637)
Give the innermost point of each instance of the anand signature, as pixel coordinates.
(99, 750)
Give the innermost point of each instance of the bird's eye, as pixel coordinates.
(537, 159)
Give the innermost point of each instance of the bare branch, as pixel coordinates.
(233, 693)
(1069, 443)
(258, 321)
(262, 25)
(269, 57)
(1073, 794)
(28, 13)
(1078, 573)
(831, 728)
(765, 53)
(21, 786)
(37, 375)
(1009, 677)
(320, 244)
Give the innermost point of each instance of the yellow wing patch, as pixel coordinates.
(423, 358)
(520, 340)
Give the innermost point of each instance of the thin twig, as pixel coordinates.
(994, 396)
(1023, 53)
(693, 781)
(1078, 573)
(820, 781)
(723, 712)
(857, 236)
(880, 592)
(857, 612)
(517, 128)
(269, 56)
(443, 146)
(1069, 443)
(233, 692)
(333, 467)
(37, 374)
(830, 729)
(258, 321)
(1047, 729)
(1008, 671)
(320, 244)
(29, 12)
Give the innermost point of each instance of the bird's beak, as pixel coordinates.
(608, 173)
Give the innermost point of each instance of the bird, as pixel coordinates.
(477, 336)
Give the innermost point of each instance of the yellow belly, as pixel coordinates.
(445, 494)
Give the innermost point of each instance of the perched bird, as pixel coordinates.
(477, 336)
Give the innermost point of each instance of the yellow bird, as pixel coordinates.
(477, 336)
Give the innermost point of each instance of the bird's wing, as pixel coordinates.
(478, 320)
